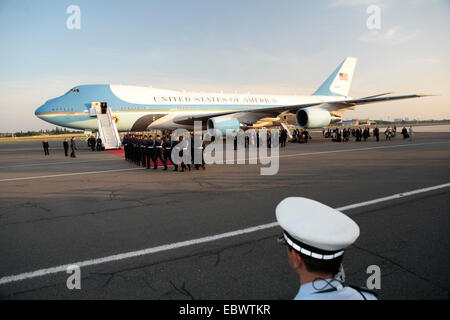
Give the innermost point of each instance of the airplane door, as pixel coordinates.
(104, 107)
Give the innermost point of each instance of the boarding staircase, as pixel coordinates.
(285, 127)
(107, 128)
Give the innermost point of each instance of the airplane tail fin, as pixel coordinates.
(339, 82)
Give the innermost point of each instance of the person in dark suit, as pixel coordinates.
(91, 143)
(66, 147)
(405, 133)
(158, 153)
(366, 134)
(73, 147)
(149, 151)
(99, 144)
(376, 133)
(46, 146)
(167, 149)
(283, 137)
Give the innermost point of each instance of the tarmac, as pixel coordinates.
(151, 234)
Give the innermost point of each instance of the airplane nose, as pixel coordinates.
(40, 110)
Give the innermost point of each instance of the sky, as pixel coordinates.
(257, 46)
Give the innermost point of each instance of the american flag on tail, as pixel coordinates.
(343, 76)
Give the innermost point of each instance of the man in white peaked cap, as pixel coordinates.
(316, 236)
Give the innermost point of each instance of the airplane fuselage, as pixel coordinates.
(141, 108)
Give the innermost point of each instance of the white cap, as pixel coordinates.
(315, 229)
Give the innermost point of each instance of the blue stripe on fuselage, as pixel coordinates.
(71, 109)
(81, 102)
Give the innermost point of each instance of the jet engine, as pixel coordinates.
(315, 118)
(223, 124)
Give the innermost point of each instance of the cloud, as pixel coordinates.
(393, 35)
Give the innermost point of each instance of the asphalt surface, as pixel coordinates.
(56, 211)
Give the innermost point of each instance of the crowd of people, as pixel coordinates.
(73, 147)
(149, 151)
(95, 144)
(300, 136)
(254, 139)
(153, 150)
(359, 134)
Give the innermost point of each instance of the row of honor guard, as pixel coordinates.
(146, 151)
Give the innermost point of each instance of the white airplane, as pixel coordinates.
(141, 108)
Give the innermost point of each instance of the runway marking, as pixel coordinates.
(355, 149)
(70, 174)
(166, 247)
(393, 197)
(279, 156)
(367, 148)
(52, 163)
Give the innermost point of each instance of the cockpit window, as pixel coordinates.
(72, 90)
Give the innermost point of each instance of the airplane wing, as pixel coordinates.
(337, 107)
(341, 106)
(373, 99)
(377, 95)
